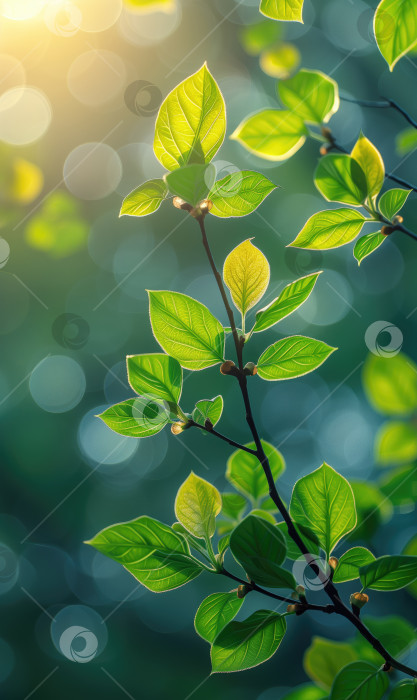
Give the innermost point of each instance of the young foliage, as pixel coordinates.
(239, 193)
(395, 27)
(310, 94)
(292, 357)
(272, 134)
(324, 659)
(284, 10)
(245, 473)
(246, 274)
(214, 613)
(350, 562)
(196, 506)
(359, 680)
(389, 573)
(289, 300)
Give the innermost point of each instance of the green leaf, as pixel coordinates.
(391, 383)
(400, 486)
(233, 505)
(389, 573)
(157, 556)
(246, 644)
(239, 193)
(245, 472)
(186, 329)
(281, 60)
(406, 141)
(306, 691)
(214, 613)
(192, 541)
(340, 178)
(191, 122)
(367, 244)
(156, 375)
(259, 547)
(272, 134)
(196, 506)
(309, 538)
(223, 544)
(372, 508)
(256, 37)
(392, 201)
(370, 160)
(246, 274)
(411, 549)
(395, 27)
(292, 357)
(359, 680)
(192, 182)
(140, 417)
(264, 515)
(329, 229)
(310, 94)
(290, 299)
(395, 634)
(208, 409)
(145, 199)
(405, 690)
(350, 563)
(324, 659)
(284, 10)
(324, 502)
(396, 443)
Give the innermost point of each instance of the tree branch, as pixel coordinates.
(231, 442)
(385, 104)
(330, 589)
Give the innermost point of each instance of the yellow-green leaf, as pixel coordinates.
(370, 160)
(196, 506)
(310, 94)
(366, 245)
(284, 10)
(329, 229)
(145, 199)
(280, 61)
(191, 122)
(272, 134)
(395, 27)
(246, 273)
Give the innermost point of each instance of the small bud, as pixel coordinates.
(178, 202)
(333, 562)
(243, 590)
(228, 367)
(324, 150)
(326, 132)
(387, 668)
(301, 591)
(398, 219)
(358, 600)
(250, 369)
(177, 428)
(291, 608)
(205, 206)
(386, 230)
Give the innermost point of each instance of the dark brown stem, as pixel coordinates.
(339, 607)
(231, 442)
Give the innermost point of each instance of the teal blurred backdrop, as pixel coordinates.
(73, 304)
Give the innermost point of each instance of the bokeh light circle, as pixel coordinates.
(148, 29)
(79, 633)
(330, 302)
(96, 77)
(57, 384)
(16, 105)
(12, 72)
(101, 445)
(62, 18)
(4, 252)
(21, 9)
(9, 568)
(92, 171)
(98, 15)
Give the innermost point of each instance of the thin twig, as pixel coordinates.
(385, 104)
(231, 442)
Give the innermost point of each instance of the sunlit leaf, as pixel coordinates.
(324, 502)
(58, 228)
(400, 487)
(151, 5)
(246, 274)
(367, 244)
(25, 182)
(272, 134)
(214, 613)
(284, 10)
(389, 573)
(192, 182)
(396, 443)
(233, 505)
(140, 417)
(157, 556)
(405, 690)
(406, 141)
(145, 199)
(395, 633)
(245, 472)
(310, 94)
(191, 122)
(280, 61)
(411, 549)
(208, 409)
(391, 383)
(329, 229)
(370, 160)
(157, 375)
(309, 538)
(186, 329)
(392, 201)
(264, 515)
(196, 506)
(256, 37)
(290, 299)
(242, 645)
(239, 193)
(292, 357)
(324, 659)
(340, 178)
(359, 680)
(395, 27)
(350, 563)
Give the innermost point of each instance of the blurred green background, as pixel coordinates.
(81, 83)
